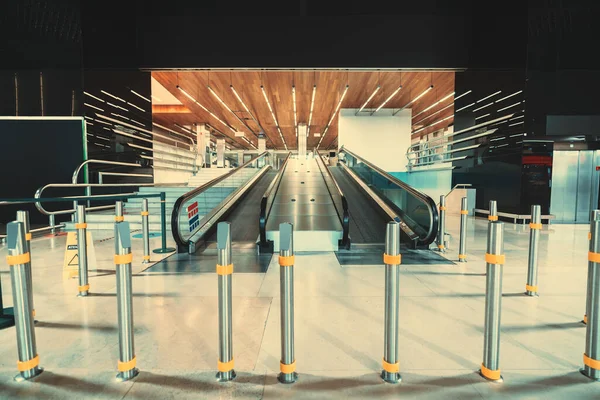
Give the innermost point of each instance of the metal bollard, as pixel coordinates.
(19, 260)
(591, 357)
(163, 226)
(442, 224)
(145, 231)
(287, 364)
(23, 217)
(462, 247)
(119, 212)
(392, 260)
(531, 288)
(225, 272)
(52, 224)
(81, 226)
(494, 259)
(594, 217)
(123, 258)
(493, 211)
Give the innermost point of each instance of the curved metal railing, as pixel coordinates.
(417, 210)
(225, 188)
(266, 203)
(339, 200)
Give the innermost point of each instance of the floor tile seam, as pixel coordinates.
(262, 339)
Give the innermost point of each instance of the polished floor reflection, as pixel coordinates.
(339, 326)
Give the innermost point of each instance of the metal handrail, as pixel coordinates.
(343, 214)
(428, 201)
(182, 243)
(75, 177)
(265, 207)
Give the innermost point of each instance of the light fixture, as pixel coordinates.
(102, 122)
(339, 104)
(227, 107)
(520, 116)
(435, 104)
(461, 95)
(116, 106)
(498, 138)
(312, 105)
(89, 123)
(264, 92)
(93, 97)
(103, 138)
(509, 96)
(137, 122)
(142, 97)
(435, 113)
(482, 107)
(205, 109)
(415, 99)
(295, 115)
(517, 123)
(395, 92)
(463, 108)
(89, 105)
(119, 115)
(482, 116)
(518, 134)
(139, 108)
(435, 123)
(369, 99)
(113, 96)
(183, 128)
(487, 97)
(108, 129)
(506, 108)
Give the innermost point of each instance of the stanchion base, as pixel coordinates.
(391, 377)
(462, 260)
(145, 262)
(83, 294)
(225, 376)
(287, 378)
(7, 319)
(499, 380)
(582, 370)
(165, 250)
(127, 375)
(22, 376)
(531, 294)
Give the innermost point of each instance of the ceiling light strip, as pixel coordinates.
(509, 96)
(264, 92)
(435, 123)
(93, 97)
(482, 107)
(415, 99)
(435, 113)
(487, 97)
(434, 104)
(388, 99)
(205, 109)
(139, 108)
(517, 123)
(227, 107)
(369, 99)
(119, 115)
(339, 104)
(142, 97)
(312, 105)
(464, 108)
(113, 96)
(461, 95)
(116, 106)
(482, 116)
(145, 131)
(506, 108)
(89, 105)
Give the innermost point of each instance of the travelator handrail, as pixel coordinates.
(339, 200)
(431, 233)
(266, 203)
(181, 242)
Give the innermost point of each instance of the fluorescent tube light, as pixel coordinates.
(89, 105)
(461, 95)
(295, 114)
(487, 97)
(113, 96)
(388, 99)
(482, 107)
(464, 108)
(482, 116)
(517, 123)
(93, 97)
(119, 115)
(142, 97)
(205, 109)
(434, 104)
(116, 106)
(435, 113)
(509, 96)
(139, 108)
(312, 105)
(506, 108)
(415, 99)
(369, 99)
(435, 123)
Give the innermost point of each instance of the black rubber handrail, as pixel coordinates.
(343, 214)
(182, 243)
(264, 245)
(425, 199)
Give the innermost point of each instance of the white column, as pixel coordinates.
(262, 144)
(220, 153)
(302, 128)
(202, 141)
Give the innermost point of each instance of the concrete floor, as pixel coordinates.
(339, 328)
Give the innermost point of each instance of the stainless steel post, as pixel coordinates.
(462, 247)
(52, 223)
(494, 259)
(591, 357)
(531, 288)
(493, 216)
(442, 225)
(225, 273)
(287, 364)
(392, 260)
(145, 231)
(119, 211)
(81, 226)
(595, 216)
(23, 217)
(123, 258)
(19, 260)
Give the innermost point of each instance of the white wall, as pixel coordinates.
(171, 161)
(381, 139)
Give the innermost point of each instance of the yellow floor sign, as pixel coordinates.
(71, 261)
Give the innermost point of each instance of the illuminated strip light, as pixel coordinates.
(89, 105)
(139, 108)
(120, 116)
(103, 138)
(90, 118)
(142, 97)
(506, 108)
(102, 122)
(482, 107)
(464, 108)
(205, 109)
(517, 123)
(171, 130)
(339, 104)
(435, 113)
(102, 145)
(502, 145)
(140, 130)
(435, 123)
(264, 92)
(434, 104)
(312, 105)
(108, 129)
(499, 138)
(295, 115)
(388, 99)
(249, 142)
(154, 97)
(137, 122)
(113, 96)
(120, 132)
(509, 96)
(116, 106)
(89, 123)
(482, 116)
(369, 99)
(183, 128)
(93, 97)
(520, 116)
(240, 99)
(415, 99)
(487, 97)
(461, 95)
(222, 102)
(518, 134)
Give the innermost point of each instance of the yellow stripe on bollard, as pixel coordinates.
(18, 259)
(590, 362)
(287, 368)
(493, 218)
(225, 366)
(84, 288)
(392, 260)
(83, 225)
(23, 366)
(123, 259)
(464, 212)
(127, 365)
(224, 269)
(119, 219)
(286, 261)
(391, 368)
(494, 258)
(531, 288)
(490, 374)
(535, 226)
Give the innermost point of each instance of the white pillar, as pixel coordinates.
(202, 141)
(220, 153)
(262, 144)
(302, 128)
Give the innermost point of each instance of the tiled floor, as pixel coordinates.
(339, 327)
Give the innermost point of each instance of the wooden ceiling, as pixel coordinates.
(278, 85)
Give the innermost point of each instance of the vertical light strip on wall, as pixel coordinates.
(264, 92)
(388, 99)
(339, 104)
(369, 99)
(415, 99)
(312, 105)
